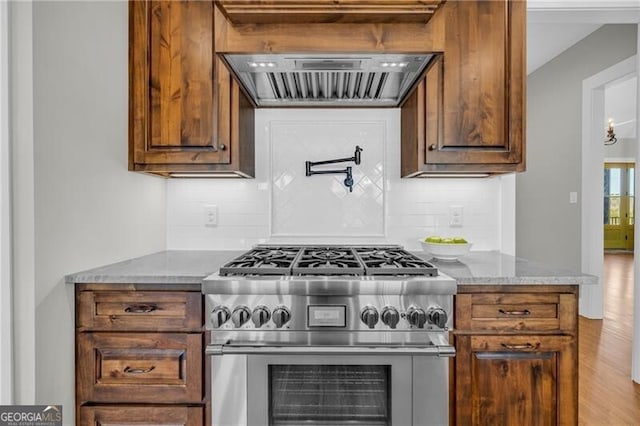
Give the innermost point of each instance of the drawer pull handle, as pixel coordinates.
(519, 347)
(522, 313)
(140, 309)
(131, 370)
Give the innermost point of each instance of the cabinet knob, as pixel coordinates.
(222, 147)
(432, 147)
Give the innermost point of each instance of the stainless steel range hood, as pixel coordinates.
(327, 80)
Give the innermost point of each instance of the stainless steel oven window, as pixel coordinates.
(240, 386)
(398, 398)
(329, 394)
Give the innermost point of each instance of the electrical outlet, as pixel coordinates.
(455, 216)
(210, 215)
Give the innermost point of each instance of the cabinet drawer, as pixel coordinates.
(515, 312)
(141, 415)
(139, 368)
(139, 310)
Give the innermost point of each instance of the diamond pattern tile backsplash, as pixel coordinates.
(283, 205)
(321, 205)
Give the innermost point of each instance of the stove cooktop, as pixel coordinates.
(327, 260)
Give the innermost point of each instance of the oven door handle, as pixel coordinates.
(440, 351)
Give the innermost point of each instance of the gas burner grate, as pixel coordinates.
(328, 261)
(393, 261)
(262, 261)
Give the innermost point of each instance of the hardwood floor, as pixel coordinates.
(608, 396)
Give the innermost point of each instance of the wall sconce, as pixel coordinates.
(611, 136)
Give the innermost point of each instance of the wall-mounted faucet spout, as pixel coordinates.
(348, 181)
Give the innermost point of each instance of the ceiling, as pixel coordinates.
(555, 25)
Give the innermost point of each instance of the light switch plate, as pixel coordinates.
(573, 197)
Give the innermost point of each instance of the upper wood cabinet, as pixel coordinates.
(187, 115)
(327, 11)
(467, 115)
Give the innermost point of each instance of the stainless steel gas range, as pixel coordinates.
(329, 335)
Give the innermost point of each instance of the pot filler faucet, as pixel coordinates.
(348, 181)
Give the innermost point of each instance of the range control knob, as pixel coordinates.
(369, 315)
(390, 316)
(437, 316)
(260, 316)
(417, 316)
(281, 316)
(219, 316)
(240, 315)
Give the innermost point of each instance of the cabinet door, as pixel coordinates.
(516, 380)
(470, 115)
(181, 112)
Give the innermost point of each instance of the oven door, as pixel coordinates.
(329, 385)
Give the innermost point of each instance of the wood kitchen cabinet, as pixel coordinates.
(516, 356)
(189, 117)
(467, 115)
(139, 355)
(186, 113)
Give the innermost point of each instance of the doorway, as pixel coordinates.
(618, 210)
(594, 127)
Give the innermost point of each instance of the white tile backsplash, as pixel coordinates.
(321, 205)
(282, 204)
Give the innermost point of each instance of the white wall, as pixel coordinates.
(21, 101)
(6, 335)
(413, 208)
(554, 106)
(80, 207)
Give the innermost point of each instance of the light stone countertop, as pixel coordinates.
(165, 267)
(495, 268)
(191, 266)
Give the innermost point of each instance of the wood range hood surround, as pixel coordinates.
(328, 11)
(287, 31)
(464, 114)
